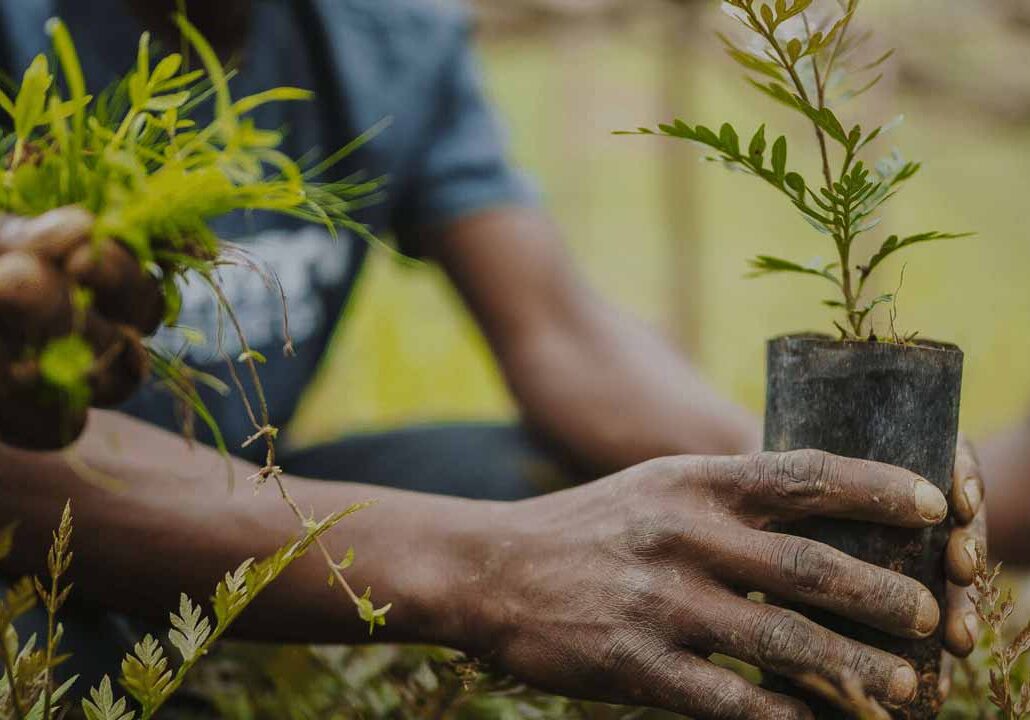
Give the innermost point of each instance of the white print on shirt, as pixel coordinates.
(307, 262)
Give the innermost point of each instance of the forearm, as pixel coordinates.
(592, 379)
(618, 394)
(173, 526)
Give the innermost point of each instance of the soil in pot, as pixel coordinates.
(892, 403)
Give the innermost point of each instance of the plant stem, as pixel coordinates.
(787, 65)
(265, 429)
(48, 690)
(19, 711)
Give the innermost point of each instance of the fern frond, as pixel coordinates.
(145, 674)
(190, 629)
(103, 706)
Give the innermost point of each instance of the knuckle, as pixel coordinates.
(806, 566)
(806, 473)
(729, 703)
(743, 477)
(668, 471)
(653, 537)
(864, 663)
(783, 641)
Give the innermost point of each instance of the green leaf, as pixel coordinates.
(6, 104)
(796, 183)
(794, 48)
(797, 8)
(30, 105)
(190, 629)
(36, 713)
(776, 91)
(768, 17)
(165, 70)
(824, 119)
(766, 264)
(164, 103)
(892, 244)
(7, 540)
(779, 157)
(145, 674)
(280, 94)
(143, 57)
(756, 149)
(65, 362)
(103, 706)
(729, 139)
(252, 355)
(878, 300)
(752, 62)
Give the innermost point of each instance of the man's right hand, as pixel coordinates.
(42, 261)
(620, 590)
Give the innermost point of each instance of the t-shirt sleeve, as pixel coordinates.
(462, 164)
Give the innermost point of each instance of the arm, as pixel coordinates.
(155, 517)
(616, 590)
(1005, 459)
(584, 373)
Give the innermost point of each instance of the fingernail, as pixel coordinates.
(903, 686)
(928, 614)
(972, 626)
(930, 502)
(971, 490)
(972, 551)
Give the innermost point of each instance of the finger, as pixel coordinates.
(961, 626)
(32, 419)
(52, 235)
(120, 364)
(967, 490)
(35, 304)
(783, 642)
(809, 482)
(965, 545)
(944, 681)
(805, 571)
(111, 272)
(688, 685)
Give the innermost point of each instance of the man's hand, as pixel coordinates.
(620, 590)
(55, 280)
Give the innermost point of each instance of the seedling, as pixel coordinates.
(811, 64)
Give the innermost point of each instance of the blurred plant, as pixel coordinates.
(153, 178)
(809, 61)
(27, 690)
(995, 683)
(249, 682)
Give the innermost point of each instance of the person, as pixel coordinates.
(617, 589)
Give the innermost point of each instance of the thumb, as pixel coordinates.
(51, 235)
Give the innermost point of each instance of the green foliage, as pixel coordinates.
(993, 683)
(152, 177)
(148, 675)
(250, 682)
(811, 66)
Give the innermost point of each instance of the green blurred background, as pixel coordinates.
(667, 237)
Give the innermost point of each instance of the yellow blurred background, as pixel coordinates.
(666, 236)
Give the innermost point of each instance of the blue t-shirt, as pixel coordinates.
(365, 60)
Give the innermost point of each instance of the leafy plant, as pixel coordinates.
(154, 179)
(811, 65)
(147, 674)
(994, 684)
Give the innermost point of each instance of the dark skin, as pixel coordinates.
(616, 590)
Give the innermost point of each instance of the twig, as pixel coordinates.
(264, 429)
